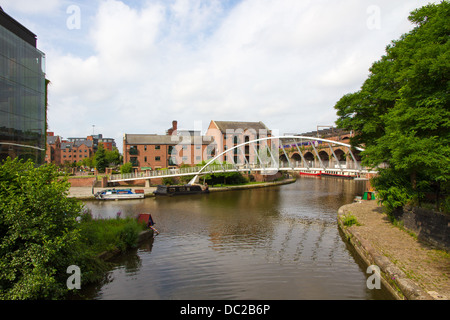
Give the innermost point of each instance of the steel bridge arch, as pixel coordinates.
(275, 138)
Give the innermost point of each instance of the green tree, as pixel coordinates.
(113, 157)
(38, 231)
(89, 162)
(100, 158)
(401, 114)
(126, 168)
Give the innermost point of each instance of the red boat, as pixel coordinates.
(307, 173)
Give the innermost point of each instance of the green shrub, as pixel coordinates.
(38, 231)
(350, 220)
(108, 234)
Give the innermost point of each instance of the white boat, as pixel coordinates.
(119, 194)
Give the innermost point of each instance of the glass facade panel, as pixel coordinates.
(22, 99)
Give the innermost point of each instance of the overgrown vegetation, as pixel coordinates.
(349, 220)
(401, 114)
(99, 235)
(40, 235)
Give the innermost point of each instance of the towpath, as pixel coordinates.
(415, 267)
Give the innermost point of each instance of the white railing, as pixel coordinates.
(212, 167)
(217, 168)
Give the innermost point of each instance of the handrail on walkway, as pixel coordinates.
(212, 167)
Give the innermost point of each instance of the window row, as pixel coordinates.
(70, 156)
(74, 150)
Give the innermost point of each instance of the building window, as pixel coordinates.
(133, 150)
(134, 161)
(145, 159)
(157, 147)
(157, 158)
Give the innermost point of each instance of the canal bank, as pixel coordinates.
(87, 193)
(411, 269)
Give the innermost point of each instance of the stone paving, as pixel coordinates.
(416, 268)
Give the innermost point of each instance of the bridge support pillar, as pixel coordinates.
(147, 183)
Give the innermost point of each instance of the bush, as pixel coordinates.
(40, 236)
(350, 220)
(38, 231)
(129, 234)
(231, 178)
(126, 168)
(168, 181)
(102, 235)
(392, 187)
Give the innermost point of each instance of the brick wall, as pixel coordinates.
(82, 182)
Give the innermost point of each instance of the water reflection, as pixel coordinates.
(272, 243)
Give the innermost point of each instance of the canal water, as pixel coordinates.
(280, 242)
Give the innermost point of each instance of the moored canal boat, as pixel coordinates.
(119, 194)
(310, 173)
(173, 190)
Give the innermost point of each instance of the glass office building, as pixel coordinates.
(22, 93)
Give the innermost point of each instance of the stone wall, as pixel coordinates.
(430, 226)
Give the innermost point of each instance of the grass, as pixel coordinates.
(99, 235)
(349, 220)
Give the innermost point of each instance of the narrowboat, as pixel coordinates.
(311, 173)
(119, 194)
(171, 190)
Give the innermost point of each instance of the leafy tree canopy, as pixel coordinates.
(101, 159)
(38, 230)
(401, 114)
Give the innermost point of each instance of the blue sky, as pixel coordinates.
(134, 66)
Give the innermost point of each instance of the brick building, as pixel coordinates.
(73, 150)
(151, 151)
(53, 150)
(175, 148)
(108, 143)
(76, 151)
(228, 134)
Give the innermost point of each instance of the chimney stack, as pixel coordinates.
(173, 130)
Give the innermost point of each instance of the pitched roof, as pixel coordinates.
(76, 144)
(52, 139)
(223, 126)
(87, 143)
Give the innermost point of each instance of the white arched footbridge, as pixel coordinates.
(268, 156)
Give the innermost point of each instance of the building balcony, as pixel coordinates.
(133, 151)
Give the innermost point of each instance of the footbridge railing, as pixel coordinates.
(269, 155)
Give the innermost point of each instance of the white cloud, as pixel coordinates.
(31, 6)
(283, 62)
